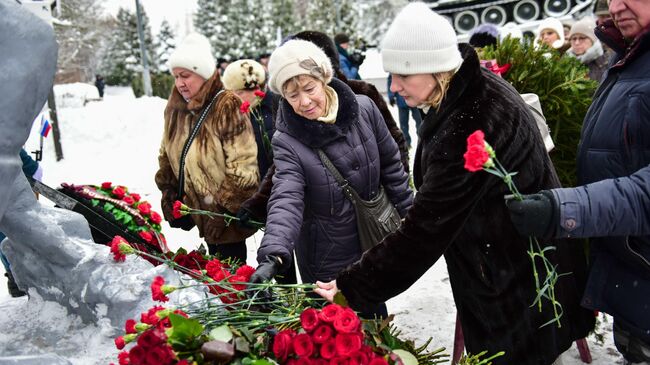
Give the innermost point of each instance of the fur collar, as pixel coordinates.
(590, 54)
(468, 74)
(317, 134)
(207, 90)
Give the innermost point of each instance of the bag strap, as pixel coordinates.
(349, 192)
(188, 143)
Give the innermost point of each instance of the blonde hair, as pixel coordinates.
(443, 79)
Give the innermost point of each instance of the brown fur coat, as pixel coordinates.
(221, 165)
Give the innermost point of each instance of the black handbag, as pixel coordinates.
(376, 218)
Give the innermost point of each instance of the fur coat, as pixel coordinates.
(221, 165)
(462, 215)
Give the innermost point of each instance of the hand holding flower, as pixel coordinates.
(327, 290)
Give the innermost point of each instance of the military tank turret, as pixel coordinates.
(465, 15)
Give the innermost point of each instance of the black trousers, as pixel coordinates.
(633, 349)
(235, 251)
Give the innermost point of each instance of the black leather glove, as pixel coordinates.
(245, 217)
(536, 215)
(185, 223)
(267, 269)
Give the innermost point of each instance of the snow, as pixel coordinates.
(117, 139)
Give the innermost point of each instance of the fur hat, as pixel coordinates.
(194, 54)
(586, 27)
(324, 42)
(341, 38)
(484, 35)
(297, 57)
(243, 75)
(553, 24)
(420, 41)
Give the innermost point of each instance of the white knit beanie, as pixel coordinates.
(584, 26)
(194, 54)
(553, 24)
(420, 41)
(243, 75)
(298, 57)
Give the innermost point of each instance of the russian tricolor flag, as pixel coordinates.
(45, 126)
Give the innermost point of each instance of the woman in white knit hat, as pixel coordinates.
(208, 155)
(587, 48)
(308, 210)
(550, 32)
(461, 214)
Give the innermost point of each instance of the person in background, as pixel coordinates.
(210, 165)
(587, 48)
(550, 31)
(222, 63)
(612, 203)
(99, 84)
(601, 11)
(349, 68)
(33, 169)
(308, 210)
(461, 214)
(263, 60)
(403, 111)
(484, 35)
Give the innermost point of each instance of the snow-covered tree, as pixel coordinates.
(283, 15)
(123, 59)
(165, 45)
(81, 32)
(375, 18)
(322, 16)
(210, 20)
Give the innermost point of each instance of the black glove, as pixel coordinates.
(185, 223)
(245, 216)
(391, 102)
(536, 215)
(266, 270)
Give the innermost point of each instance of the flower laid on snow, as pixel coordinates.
(159, 290)
(481, 156)
(120, 248)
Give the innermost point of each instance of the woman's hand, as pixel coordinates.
(327, 290)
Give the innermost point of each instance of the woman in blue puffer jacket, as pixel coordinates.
(307, 210)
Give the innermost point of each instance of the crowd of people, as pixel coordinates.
(270, 140)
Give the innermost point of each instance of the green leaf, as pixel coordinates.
(262, 362)
(94, 202)
(407, 357)
(221, 333)
(184, 330)
(339, 299)
(242, 345)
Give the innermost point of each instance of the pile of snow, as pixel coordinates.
(74, 95)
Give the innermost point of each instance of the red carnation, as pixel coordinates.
(329, 312)
(135, 197)
(107, 185)
(128, 200)
(115, 248)
(119, 343)
(246, 271)
(152, 338)
(155, 217)
(302, 345)
(137, 355)
(259, 93)
(339, 360)
(151, 317)
(214, 268)
(309, 319)
(378, 360)
(346, 321)
(156, 289)
(328, 349)
(237, 282)
(123, 358)
(282, 344)
(477, 155)
(144, 208)
(129, 326)
(146, 236)
(160, 355)
(245, 107)
(119, 192)
(322, 333)
(348, 343)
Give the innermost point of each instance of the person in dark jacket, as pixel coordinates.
(612, 203)
(403, 111)
(587, 48)
(32, 169)
(461, 214)
(99, 84)
(308, 210)
(349, 68)
(256, 207)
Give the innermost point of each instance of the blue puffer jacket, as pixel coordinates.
(614, 203)
(307, 210)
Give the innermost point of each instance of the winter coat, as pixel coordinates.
(307, 209)
(594, 58)
(262, 120)
(614, 205)
(350, 70)
(221, 164)
(462, 215)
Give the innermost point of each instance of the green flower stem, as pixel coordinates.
(226, 217)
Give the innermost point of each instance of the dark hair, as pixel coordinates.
(341, 38)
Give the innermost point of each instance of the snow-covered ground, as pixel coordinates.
(117, 140)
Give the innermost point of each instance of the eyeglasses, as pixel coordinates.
(578, 39)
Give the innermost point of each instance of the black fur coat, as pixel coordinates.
(462, 215)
